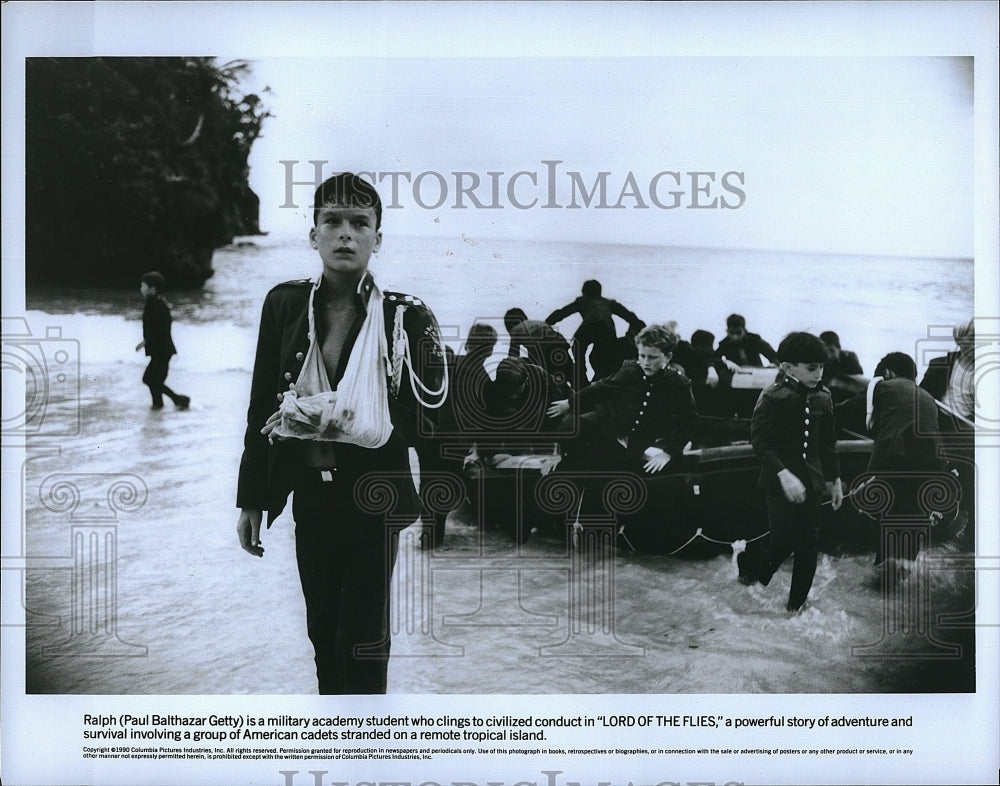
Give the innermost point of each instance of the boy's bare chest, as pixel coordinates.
(335, 319)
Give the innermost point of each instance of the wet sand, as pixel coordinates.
(185, 611)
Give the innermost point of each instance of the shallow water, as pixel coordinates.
(191, 613)
(135, 582)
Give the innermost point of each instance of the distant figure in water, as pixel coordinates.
(157, 342)
(794, 436)
(743, 348)
(597, 329)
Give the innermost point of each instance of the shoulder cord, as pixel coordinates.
(401, 355)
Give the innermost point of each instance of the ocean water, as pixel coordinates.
(877, 305)
(189, 613)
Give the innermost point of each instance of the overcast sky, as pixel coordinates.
(840, 155)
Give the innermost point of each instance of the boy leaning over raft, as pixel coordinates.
(345, 377)
(794, 436)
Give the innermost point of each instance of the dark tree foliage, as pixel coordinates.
(134, 164)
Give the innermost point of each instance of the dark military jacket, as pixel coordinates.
(747, 352)
(657, 411)
(793, 428)
(267, 471)
(156, 321)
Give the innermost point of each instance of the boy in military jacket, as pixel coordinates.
(641, 416)
(343, 548)
(793, 434)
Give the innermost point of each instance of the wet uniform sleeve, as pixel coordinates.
(603, 390)
(828, 444)
(764, 433)
(635, 324)
(252, 484)
(561, 313)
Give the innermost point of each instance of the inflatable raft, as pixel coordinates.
(705, 502)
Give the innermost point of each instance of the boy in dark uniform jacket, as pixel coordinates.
(902, 420)
(743, 348)
(343, 548)
(793, 434)
(641, 416)
(157, 342)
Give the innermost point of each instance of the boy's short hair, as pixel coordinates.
(830, 338)
(154, 278)
(591, 288)
(659, 336)
(964, 332)
(511, 372)
(801, 347)
(513, 318)
(481, 335)
(349, 190)
(736, 321)
(899, 363)
(703, 339)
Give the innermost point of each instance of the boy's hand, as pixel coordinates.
(273, 421)
(836, 492)
(248, 529)
(548, 464)
(558, 408)
(792, 487)
(657, 462)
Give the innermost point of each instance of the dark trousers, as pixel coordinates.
(345, 558)
(794, 530)
(436, 462)
(155, 378)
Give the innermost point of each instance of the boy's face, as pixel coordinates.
(809, 374)
(146, 289)
(736, 334)
(652, 360)
(345, 238)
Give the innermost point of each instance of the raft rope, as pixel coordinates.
(738, 546)
(851, 493)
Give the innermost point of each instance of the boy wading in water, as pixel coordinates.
(793, 434)
(344, 379)
(157, 342)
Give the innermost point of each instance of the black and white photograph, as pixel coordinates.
(500, 393)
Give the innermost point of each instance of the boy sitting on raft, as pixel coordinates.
(641, 416)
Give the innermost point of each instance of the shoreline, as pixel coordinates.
(478, 615)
